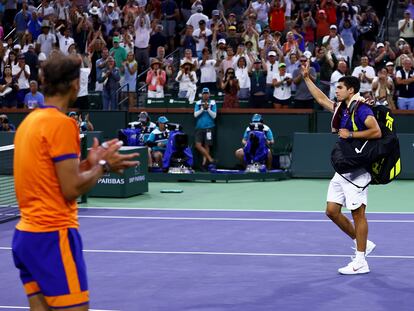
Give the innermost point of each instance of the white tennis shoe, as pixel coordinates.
(355, 267)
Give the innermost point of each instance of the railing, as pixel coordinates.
(120, 92)
(14, 29)
(383, 33)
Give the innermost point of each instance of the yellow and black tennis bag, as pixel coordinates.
(380, 157)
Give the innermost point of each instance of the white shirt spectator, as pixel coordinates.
(46, 11)
(195, 18)
(46, 43)
(242, 74)
(22, 81)
(283, 91)
(208, 71)
(334, 43)
(200, 45)
(83, 81)
(271, 70)
(62, 11)
(336, 75)
(369, 72)
(142, 33)
(262, 10)
(408, 31)
(185, 81)
(64, 43)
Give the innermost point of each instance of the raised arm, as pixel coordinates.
(317, 94)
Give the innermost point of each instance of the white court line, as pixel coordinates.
(149, 252)
(232, 219)
(27, 308)
(226, 210)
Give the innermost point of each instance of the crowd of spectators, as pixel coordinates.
(240, 49)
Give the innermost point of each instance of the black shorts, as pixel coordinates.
(204, 136)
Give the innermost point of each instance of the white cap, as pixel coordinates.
(17, 47)
(221, 41)
(344, 5)
(271, 53)
(333, 27)
(389, 64)
(307, 54)
(111, 4)
(42, 57)
(380, 45)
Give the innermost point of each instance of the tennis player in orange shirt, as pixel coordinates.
(49, 177)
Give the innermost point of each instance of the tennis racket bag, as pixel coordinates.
(380, 157)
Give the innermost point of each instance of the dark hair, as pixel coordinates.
(58, 73)
(350, 81)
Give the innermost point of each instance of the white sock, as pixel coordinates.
(360, 256)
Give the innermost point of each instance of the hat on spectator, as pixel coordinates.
(72, 113)
(111, 4)
(321, 12)
(205, 90)
(155, 61)
(407, 12)
(232, 28)
(115, 39)
(20, 56)
(187, 63)
(271, 53)
(257, 61)
(221, 41)
(94, 10)
(389, 64)
(199, 8)
(380, 45)
(45, 24)
(42, 57)
(3, 116)
(17, 47)
(344, 5)
(307, 54)
(143, 116)
(162, 120)
(216, 13)
(31, 46)
(257, 118)
(282, 65)
(232, 14)
(333, 27)
(202, 21)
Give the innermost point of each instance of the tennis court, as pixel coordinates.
(237, 246)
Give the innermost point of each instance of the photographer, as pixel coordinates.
(205, 111)
(257, 121)
(282, 82)
(230, 86)
(187, 80)
(5, 126)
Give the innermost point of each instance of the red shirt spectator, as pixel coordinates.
(330, 9)
(277, 17)
(322, 25)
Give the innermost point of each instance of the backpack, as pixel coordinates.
(380, 157)
(256, 150)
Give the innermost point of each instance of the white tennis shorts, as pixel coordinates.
(342, 192)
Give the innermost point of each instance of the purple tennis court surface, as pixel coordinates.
(179, 260)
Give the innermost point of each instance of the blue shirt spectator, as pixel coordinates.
(205, 111)
(34, 98)
(21, 19)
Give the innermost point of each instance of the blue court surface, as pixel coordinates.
(182, 260)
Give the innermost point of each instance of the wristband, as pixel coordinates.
(350, 135)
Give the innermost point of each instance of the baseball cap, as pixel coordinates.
(389, 64)
(344, 5)
(282, 65)
(307, 54)
(111, 4)
(322, 12)
(222, 41)
(115, 39)
(407, 12)
(232, 28)
(380, 45)
(17, 47)
(30, 46)
(143, 116)
(257, 61)
(333, 27)
(216, 12)
(202, 21)
(271, 53)
(205, 90)
(72, 113)
(162, 120)
(257, 117)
